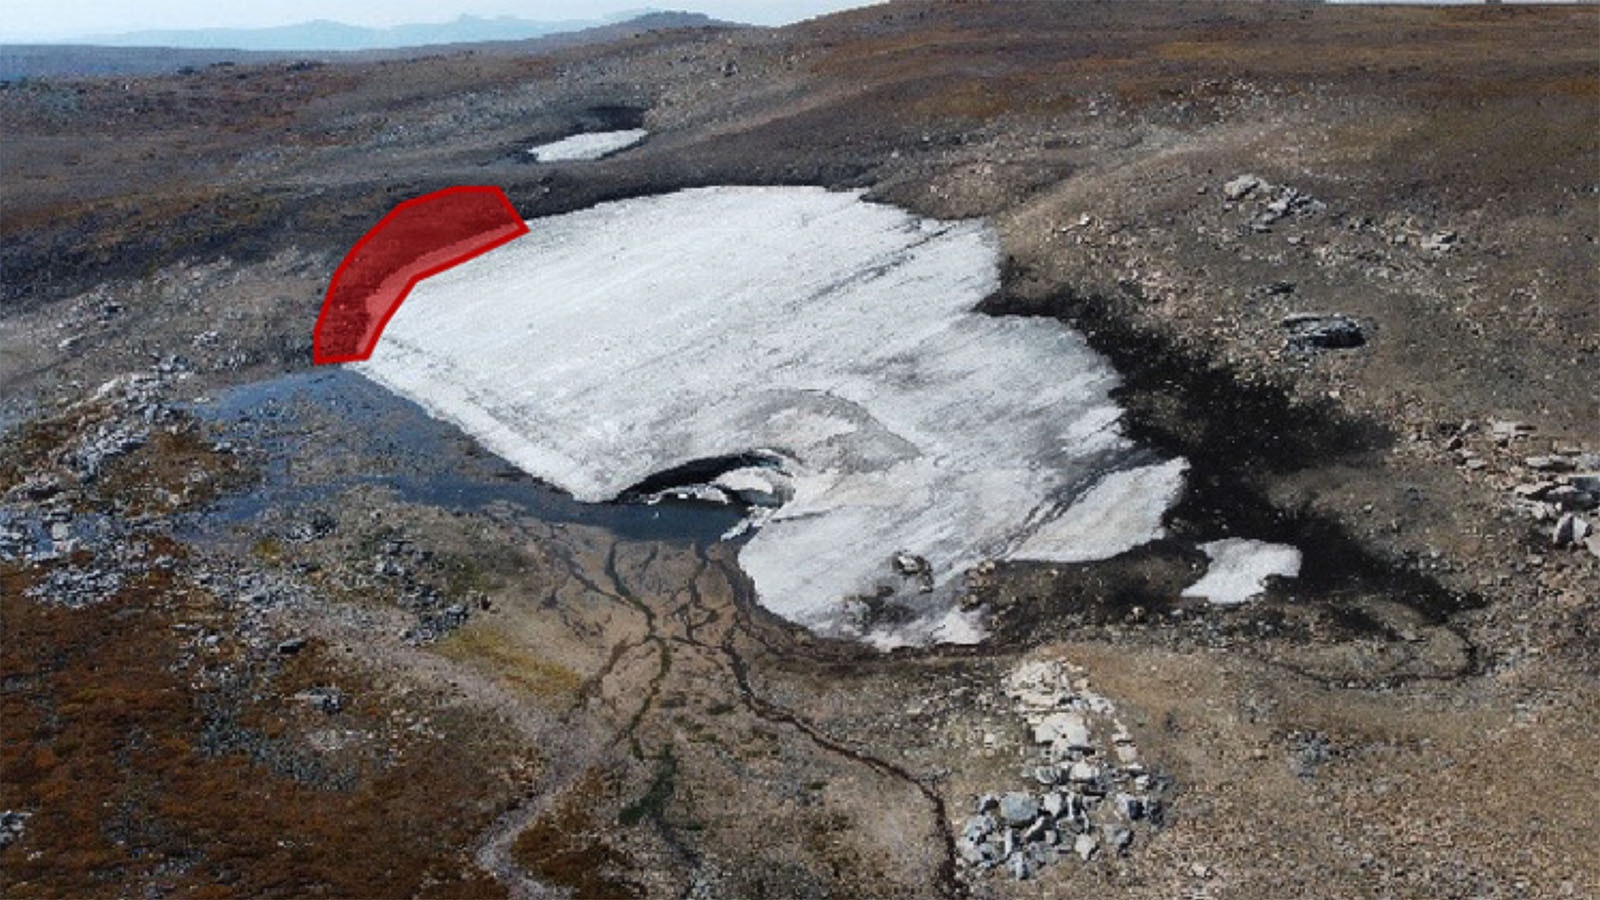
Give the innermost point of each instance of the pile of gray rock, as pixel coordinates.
(1560, 489)
(1090, 790)
(1269, 203)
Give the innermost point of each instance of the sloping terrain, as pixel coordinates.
(272, 631)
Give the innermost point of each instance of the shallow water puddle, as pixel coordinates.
(829, 340)
(327, 431)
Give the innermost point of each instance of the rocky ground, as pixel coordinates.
(270, 631)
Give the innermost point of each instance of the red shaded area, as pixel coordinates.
(420, 237)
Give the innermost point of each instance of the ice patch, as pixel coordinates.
(832, 335)
(1239, 569)
(593, 145)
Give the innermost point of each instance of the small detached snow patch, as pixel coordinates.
(593, 145)
(1240, 568)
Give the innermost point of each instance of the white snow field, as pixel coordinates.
(593, 145)
(1239, 569)
(835, 334)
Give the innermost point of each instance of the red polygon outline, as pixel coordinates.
(328, 300)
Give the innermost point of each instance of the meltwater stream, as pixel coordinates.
(901, 436)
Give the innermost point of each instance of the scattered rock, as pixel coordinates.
(1055, 803)
(1570, 530)
(1439, 241)
(909, 564)
(1309, 752)
(1588, 482)
(1085, 846)
(1316, 331)
(1020, 867)
(328, 700)
(291, 646)
(1240, 188)
(1083, 772)
(1288, 202)
(1503, 430)
(319, 525)
(1570, 498)
(1534, 490)
(1066, 728)
(1131, 807)
(1549, 463)
(1018, 808)
(12, 824)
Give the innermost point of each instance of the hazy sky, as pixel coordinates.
(44, 19)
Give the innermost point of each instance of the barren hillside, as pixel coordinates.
(271, 630)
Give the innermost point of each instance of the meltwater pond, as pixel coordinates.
(330, 430)
(825, 348)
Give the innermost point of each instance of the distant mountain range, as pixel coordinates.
(323, 34)
(156, 52)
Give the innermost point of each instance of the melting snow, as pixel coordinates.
(1239, 569)
(833, 334)
(588, 146)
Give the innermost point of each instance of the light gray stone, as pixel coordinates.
(1439, 241)
(1017, 808)
(1021, 868)
(1549, 463)
(1055, 803)
(1588, 482)
(1565, 530)
(1241, 187)
(978, 828)
(1069, 728)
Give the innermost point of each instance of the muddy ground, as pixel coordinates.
(268, 631)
